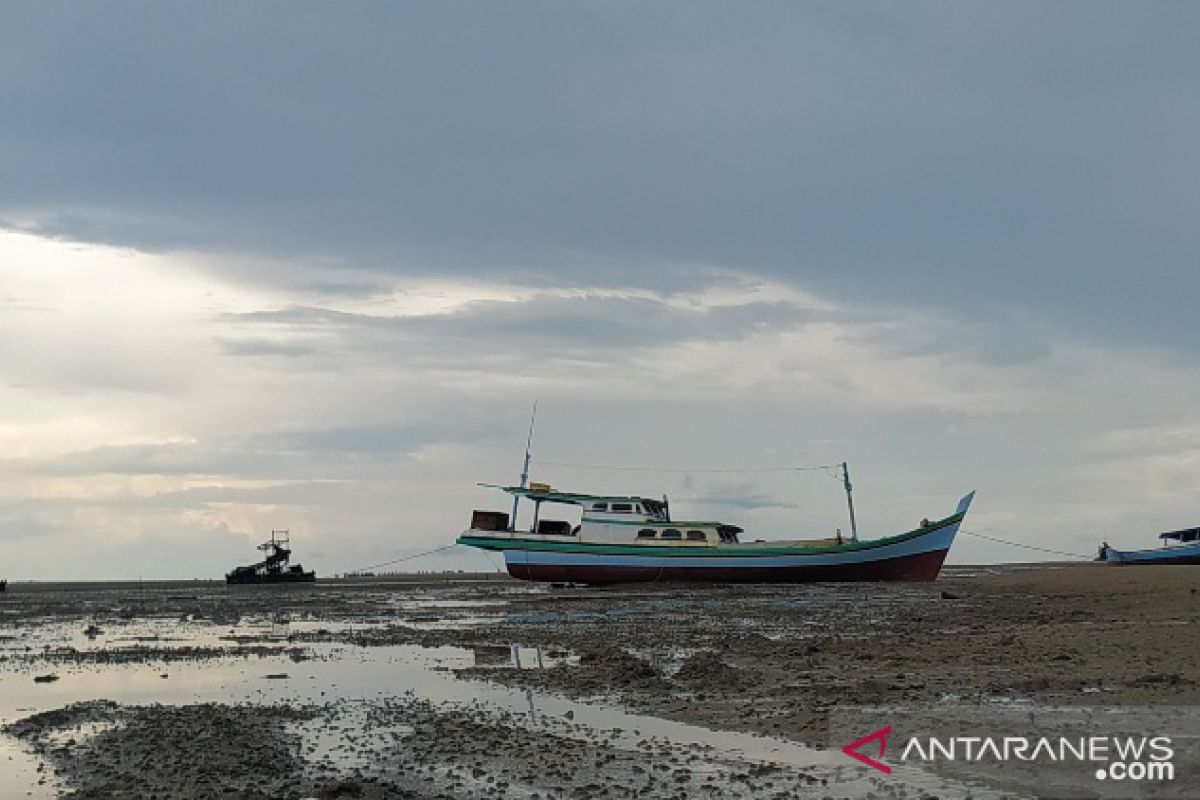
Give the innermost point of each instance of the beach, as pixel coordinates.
(478, 685)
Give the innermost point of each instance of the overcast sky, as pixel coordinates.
(308, 265)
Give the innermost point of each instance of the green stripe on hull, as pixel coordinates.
(487, 543)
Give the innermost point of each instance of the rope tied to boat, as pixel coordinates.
(1026, 546)
(402, 559)
(617, 468)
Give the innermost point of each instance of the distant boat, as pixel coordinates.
(3, 585)
(274, 568)
(623, 539)
(1178, 547)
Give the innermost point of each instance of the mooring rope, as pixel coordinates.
(1026, 546)
(960, 530)
(402, 558)
(615, 468)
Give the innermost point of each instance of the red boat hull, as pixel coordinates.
(917, 567)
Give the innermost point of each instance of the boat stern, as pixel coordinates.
(484, 540)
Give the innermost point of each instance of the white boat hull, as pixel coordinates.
(913, 556)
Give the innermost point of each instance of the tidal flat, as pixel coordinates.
(457, 686)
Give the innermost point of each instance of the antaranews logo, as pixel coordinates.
(880, 736)
(1116, 758)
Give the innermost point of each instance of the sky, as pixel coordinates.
(308, 266)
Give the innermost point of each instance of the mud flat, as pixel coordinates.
(774, 660)
(485, 687)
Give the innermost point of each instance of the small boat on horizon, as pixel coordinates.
(1178, 547)
(625, 539)
(274, 568)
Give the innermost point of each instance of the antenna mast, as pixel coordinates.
(849, 501)
(512, 524)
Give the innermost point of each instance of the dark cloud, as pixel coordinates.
(266, 347)
(378, 440)
(167, 459)
(291, 493)
(291, 452)
(739, 495)
(544, 326)
(23, 523)
(960, 183)
(1023, 155)
(1005, 340)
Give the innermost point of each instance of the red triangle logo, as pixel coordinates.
(880, 735)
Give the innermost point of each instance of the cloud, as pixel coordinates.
(340, 249)
(1022, 159)
(267, 347)
(362, 421)
(541, 326)
(739, 495)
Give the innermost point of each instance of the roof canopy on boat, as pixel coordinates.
(1185, 535)
(573, 498)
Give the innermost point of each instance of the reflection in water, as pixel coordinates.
(357, 678)
(25, 776)
(334, 673)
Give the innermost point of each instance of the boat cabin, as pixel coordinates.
(620, 508)
(606, 518)
(1176, 538)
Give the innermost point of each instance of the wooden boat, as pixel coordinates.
(622, 539)
(1178, 547)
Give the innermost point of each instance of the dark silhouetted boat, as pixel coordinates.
(275, 567)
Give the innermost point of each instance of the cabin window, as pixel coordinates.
(599, 506)
(696, 536)
(622, 507)
(556, 527)
(646, 533)
(671, 533)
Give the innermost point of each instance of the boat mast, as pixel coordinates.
(849, 501)
(512, 523)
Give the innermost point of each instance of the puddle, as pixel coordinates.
(26, 777)
(363, 676)
(435, 622)
(136, 662)
(429, 602)
(521, 657)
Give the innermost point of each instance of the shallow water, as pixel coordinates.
(331, 673)
(22, 774)
(340, 673)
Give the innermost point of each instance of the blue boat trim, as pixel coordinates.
(678, 551)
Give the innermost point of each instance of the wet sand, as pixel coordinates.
(408, 688)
